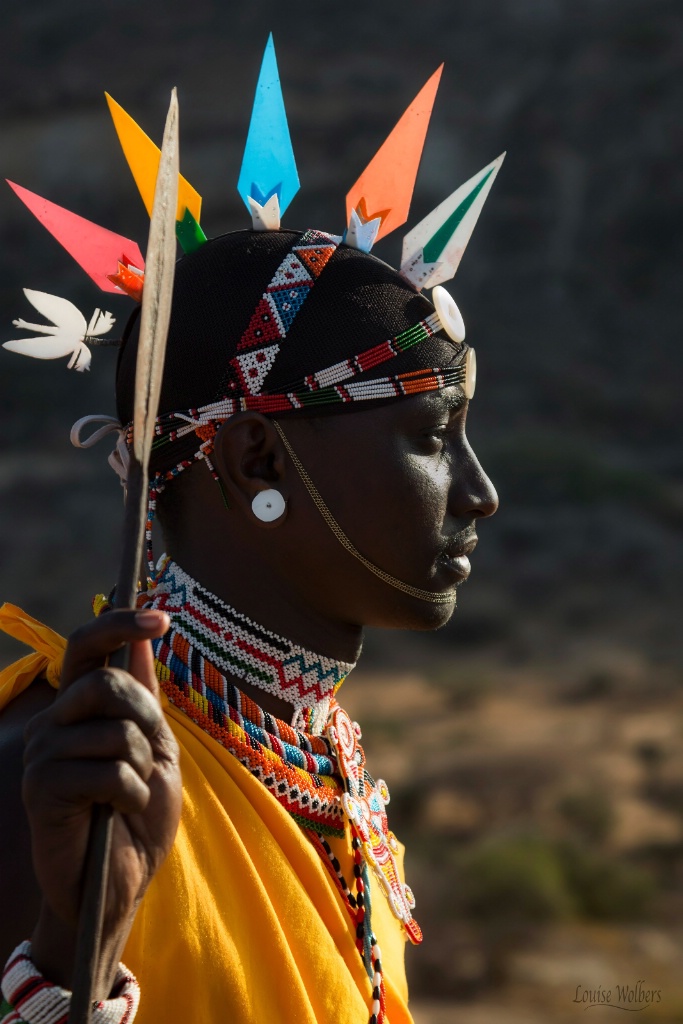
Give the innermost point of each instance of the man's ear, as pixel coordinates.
(249, 457)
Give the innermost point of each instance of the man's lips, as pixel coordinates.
(461, 546)
(455, 553)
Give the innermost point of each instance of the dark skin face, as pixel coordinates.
(400, 479)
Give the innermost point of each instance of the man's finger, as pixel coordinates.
(99, 740)
(90, 645)
(142, 665)
(105, 693)
(71, 785)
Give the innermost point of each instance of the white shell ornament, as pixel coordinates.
(265, 217)
(361, 234)
(268, 505)
(449, 314)
(65, 335)
(470, 373)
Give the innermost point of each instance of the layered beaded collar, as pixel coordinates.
(224, 639)
(316, 772)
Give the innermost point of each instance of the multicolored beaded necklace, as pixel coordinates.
(319, 779)
(223, 639)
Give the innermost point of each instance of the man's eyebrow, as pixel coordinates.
(452, 400)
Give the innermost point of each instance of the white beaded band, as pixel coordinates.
(34, 1000)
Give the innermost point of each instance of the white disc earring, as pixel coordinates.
(268, 505)
(449, 314)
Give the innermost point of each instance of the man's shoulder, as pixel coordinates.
(19, 893)
(15, 716)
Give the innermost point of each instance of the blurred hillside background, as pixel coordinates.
(534, 746)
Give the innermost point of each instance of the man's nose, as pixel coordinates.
(474, 491)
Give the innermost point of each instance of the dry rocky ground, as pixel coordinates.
(544, 827)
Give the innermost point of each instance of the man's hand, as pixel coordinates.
(104, 739)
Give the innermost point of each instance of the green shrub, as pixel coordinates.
(518, 878)
(532, 879)
(589, 812)
(605, 889)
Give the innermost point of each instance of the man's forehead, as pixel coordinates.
(428, 404)
(445, 399)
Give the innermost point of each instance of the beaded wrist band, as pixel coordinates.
(28, 998)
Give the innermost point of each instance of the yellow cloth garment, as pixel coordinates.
(242, 923)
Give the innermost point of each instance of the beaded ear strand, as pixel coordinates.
(423, 595)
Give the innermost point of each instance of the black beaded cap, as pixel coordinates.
(357, 302)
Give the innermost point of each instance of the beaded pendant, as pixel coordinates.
(364, 803)
(359, 909)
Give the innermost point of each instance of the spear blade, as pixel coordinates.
(154, 321)
(156, 307)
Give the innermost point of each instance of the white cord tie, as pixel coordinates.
(119, 460)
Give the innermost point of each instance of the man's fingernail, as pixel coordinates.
(151, 619)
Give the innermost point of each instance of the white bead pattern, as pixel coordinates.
(35, 1002)
(241, 648)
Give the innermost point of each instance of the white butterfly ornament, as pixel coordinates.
(66, 333)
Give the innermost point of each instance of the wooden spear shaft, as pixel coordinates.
(154, 321)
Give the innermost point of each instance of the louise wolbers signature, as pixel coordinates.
(619, 997)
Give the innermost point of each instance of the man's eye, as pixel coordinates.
(443, 430)
(446, 429)
(436, 436)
